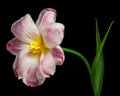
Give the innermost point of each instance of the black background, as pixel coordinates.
(78, 18)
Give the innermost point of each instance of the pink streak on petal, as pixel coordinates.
(41, 70)
(25, 29)
(50, 9)
(46, 17)
(14, 46)
(47, 65)
(53, 38)
(30, 84)
(56, 26)
(25, 61)
(58, 55)
(31, 79)
(31, 74)
(54, 34)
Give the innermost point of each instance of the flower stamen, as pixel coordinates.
(39, 46)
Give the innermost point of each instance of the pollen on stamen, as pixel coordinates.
(39, 46)
(35, 47)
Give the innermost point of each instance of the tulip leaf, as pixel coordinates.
(97, 70)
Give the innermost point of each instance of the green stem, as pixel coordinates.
(80, 56)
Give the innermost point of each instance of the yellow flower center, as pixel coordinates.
(39, 46)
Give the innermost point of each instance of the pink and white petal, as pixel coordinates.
(25, 62)
(56, 26)
(47, 65)
(32, 79)
(53, 39)
(15, 65)
(58, 55)
(46, 17)
(25, 29)
(14, 46)
(41, 79)
(34, 84)
(20, 56)
(54, 34)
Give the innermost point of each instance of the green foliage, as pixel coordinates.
(97, 70)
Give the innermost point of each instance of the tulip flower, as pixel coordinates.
(36, 47)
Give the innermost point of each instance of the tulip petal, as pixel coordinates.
(15, 65)
(46, 17)
(25, 67)
(54, 34)
(25, 29)
(47, 65)
(58, 55)
(32, 79)
(14, 46)
(24, 63)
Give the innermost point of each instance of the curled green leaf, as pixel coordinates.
(97, 70)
